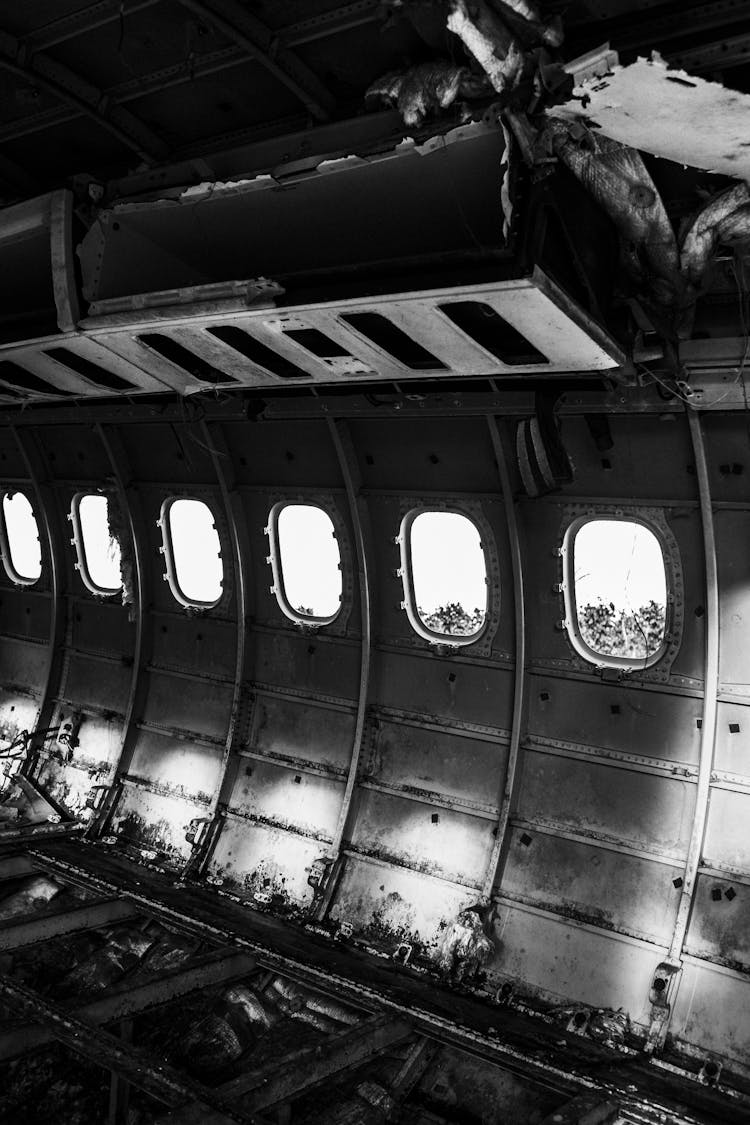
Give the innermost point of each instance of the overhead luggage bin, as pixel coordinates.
(427, 260)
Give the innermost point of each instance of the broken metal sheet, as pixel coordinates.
(668, 113)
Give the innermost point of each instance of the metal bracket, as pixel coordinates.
(663, 988)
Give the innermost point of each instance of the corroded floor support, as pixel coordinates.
(135, 1066)
(25, 932)
(588, 1109)
(125, 1001)
(508, 1039)
(310, 1066)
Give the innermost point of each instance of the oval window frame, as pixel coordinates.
(82, 564)
(585, 651)
(10, 570)
(405, 573)
(274, 559)
(167, 550)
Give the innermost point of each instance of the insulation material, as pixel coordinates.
(465, 947)
(668, 113)
(33, 894)
(618, 179)
(488, 39)
(724, 219)
(426, 88)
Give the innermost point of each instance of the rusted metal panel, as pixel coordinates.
(732, 751)
(17, 713)
(582, 965)
(317, 666)
(647, 811)
(25, 613)
(615, 716)
(727, 840)
(296, 730)
(439, 687)
(72, 453)
(388, 905)
(712, 1013)
(629, 472)
(153, 822)
(426, 453)
(733, 527)
(437, 760)
(22, 662)
(261, 860)
(183, 767)
(96, 683)
(720, 923)
(101, 626)
(172, 701)
(725, 437)
(283, 456)
(160, 452)
(600, 886)
(280, 797)
(193, 644)
(455, 845)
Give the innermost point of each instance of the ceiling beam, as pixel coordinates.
(42, 72)
(202, 66)
(264, 45)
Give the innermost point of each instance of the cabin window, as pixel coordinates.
(98, 549)
(616, 592)
(444, 572)
(306, 563)
(192, 549)
(22, 554)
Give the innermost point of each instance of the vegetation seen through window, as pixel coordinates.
(449, 573)
(620, 588)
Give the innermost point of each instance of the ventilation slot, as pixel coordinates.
(187, 360)
(19, 377)
(258, 353)
(95, 374)
(317, 343)
(492, 333)
(392, 340)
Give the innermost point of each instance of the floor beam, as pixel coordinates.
(152, 1075)
(126, 1001)
(308, 1067)
(24, 932)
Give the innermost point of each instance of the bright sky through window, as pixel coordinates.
(199, 571)
(618, 561)
(620, 589)
(448, 566)
(23, 537)
(102, 552)
(310, 560)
